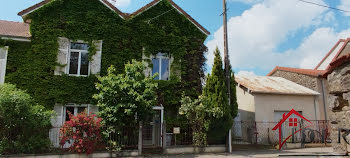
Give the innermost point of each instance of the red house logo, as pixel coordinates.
(293, 122)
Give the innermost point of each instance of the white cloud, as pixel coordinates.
(120, 3)
(246, 73)
(256, 34)
(314, 47)
(345, 5)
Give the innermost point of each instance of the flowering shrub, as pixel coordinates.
(81, 133)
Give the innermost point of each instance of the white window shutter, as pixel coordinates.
(3, 61)
(95, 63)
(148, 69)
(58, 120)
(62, 56)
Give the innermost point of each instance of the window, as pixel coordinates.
(293, 122)
(161, 65)
(79, 59)
(73, 110)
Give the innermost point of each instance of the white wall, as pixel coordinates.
(246, 105)
(267, 104)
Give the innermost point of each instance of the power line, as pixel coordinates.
(320, 5)
(325, 6)
(149, 21)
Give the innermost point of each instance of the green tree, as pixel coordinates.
(198, 113)
(24, 126)
(234, 104)
(216, 92)
(124, 99)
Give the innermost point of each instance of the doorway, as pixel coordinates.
(152, 129)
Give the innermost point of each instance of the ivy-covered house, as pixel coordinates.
(62, 46)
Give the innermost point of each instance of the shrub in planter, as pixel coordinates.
(81, 133)
(24, 126)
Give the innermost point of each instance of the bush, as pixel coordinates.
(82, 133)
(198, 112)
(24, 125)
(124, 99)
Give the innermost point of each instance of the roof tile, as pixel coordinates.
(310, 72)
(273, 85)
(14, 29)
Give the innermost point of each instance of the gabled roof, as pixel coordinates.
(335, 53)
(42, 3)
(310, 72)
(338, 62)
(14, 29)
(124, 15)
(272, 85)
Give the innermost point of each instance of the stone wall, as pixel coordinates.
(304, 80)
(339, 101)
(313, 83)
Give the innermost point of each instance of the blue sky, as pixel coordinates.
(262, 33)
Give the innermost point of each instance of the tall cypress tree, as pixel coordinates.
(216, 92)
(234, 104)
(215, 87)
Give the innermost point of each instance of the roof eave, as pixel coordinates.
(16, 38)
(281, 93)
(37, 6)
(177, 8)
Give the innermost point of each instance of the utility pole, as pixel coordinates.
(227, 70)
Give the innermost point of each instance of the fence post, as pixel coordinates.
(164, 136)
(140, 138)
(293, 137)
(256, 133)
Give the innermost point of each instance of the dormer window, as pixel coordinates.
(161, 65)
(79, 59)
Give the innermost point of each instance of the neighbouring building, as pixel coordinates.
(63, 45)
(263, 100)
(331, 78)
(309, 78)
(338, 76)
(314, 78)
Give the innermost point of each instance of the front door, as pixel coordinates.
(151, 132)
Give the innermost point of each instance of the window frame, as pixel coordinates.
(79, 59)
(75, 106)
(161, 56)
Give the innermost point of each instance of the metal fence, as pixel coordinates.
(181, 137)
(252, 132)
(127, 138)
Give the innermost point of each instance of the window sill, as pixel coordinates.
(78, 75)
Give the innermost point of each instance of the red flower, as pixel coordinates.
(83, 131)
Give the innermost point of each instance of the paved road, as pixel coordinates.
(306, 152)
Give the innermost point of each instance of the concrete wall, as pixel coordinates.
(94, 155)
(246, 105)
(267, 104)
(314, 83)
(192, 150)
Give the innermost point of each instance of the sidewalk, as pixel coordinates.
(306, 152)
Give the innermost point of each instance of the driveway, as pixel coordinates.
(306, 152)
